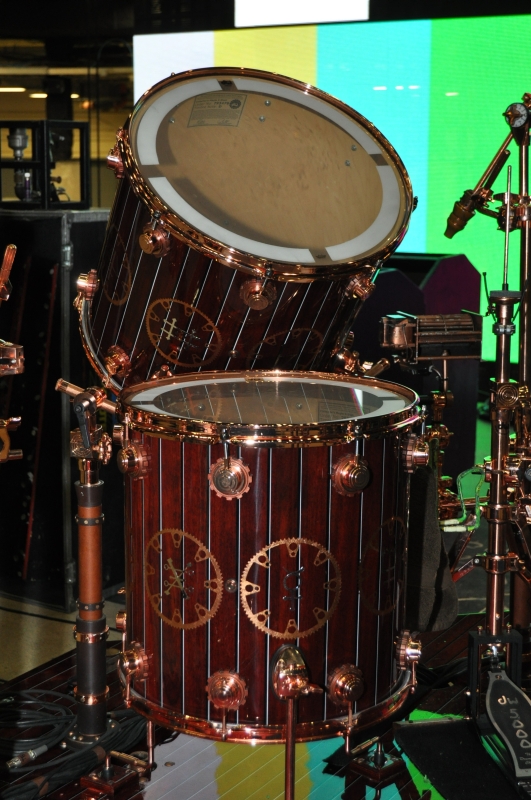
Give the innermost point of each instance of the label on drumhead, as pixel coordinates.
(216, 109)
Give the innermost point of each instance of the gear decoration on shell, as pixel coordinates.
(118, 281)
(175, 328)
(323, 559)
(230, 481)
(307, 340)
(181, 581)
(379, 557)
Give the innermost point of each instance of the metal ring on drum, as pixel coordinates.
(247, 203)
(306, 555)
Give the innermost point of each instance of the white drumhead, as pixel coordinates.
(270, 167)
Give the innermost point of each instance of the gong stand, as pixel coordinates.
(511, 460)
(91, 447)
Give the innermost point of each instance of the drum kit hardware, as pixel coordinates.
(11, 361)
(267, 468)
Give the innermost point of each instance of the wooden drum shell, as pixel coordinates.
(297, 330)
(291, 496)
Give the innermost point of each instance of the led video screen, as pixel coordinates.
(435, 88)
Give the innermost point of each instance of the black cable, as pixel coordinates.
(123, 736)
(28, 710)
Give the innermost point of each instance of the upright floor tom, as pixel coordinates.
(264, 509)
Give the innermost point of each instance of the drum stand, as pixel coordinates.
(91, 447)
(290, 681)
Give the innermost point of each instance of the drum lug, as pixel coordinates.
(154, 240)
(350, 475)
(121, 625)
(230, 478)
(345, 685)
(115, 162)
(415, 452)
(361, 286)
(228, 691)
(133, 460)
(87, 285)
(117, 362)
(348, 361)
(408, 652)
(258, 294)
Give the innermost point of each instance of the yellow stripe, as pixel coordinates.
(290, 51)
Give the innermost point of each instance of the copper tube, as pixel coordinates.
(72, 391)
(493, 164)
(150, 741)
(289, 774)
(90, 565)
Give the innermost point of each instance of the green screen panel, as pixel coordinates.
(480, 61)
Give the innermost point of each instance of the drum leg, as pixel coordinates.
(91, 447)
(291, 722)
(289, 680)
(150, 741)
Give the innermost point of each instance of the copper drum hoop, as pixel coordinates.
(256, 223)
(216, 584)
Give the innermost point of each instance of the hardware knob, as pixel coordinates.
(117, 362)
(154, 242)
(257, 294)
(345, 684)
(87, 284)
(133, 461)
(229, 479)
(350, 475)
(226, 690)
(415, 453)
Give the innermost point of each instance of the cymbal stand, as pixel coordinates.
(514, 467)
(92, 448)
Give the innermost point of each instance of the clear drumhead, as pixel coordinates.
(256, 403)
(270, 167)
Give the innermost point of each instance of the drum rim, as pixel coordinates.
(266, 435)
(230, 256)
(248, 733)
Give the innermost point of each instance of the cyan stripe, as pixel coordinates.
(353, 59)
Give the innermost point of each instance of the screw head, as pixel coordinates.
(262, 119)
(347, 163)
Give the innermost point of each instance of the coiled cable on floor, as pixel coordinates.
(126, 733)
(33, 711)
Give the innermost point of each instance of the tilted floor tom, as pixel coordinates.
(252, 212)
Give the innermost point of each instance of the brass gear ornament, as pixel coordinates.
(177, 569)
(302, 565)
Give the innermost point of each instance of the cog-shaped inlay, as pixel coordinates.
(118, 280)
(381, 556)
(182, 333)
(183, 579)
(298, 346)
(299, 579)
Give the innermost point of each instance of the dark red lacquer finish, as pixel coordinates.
(188, 312)
(333, 586)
